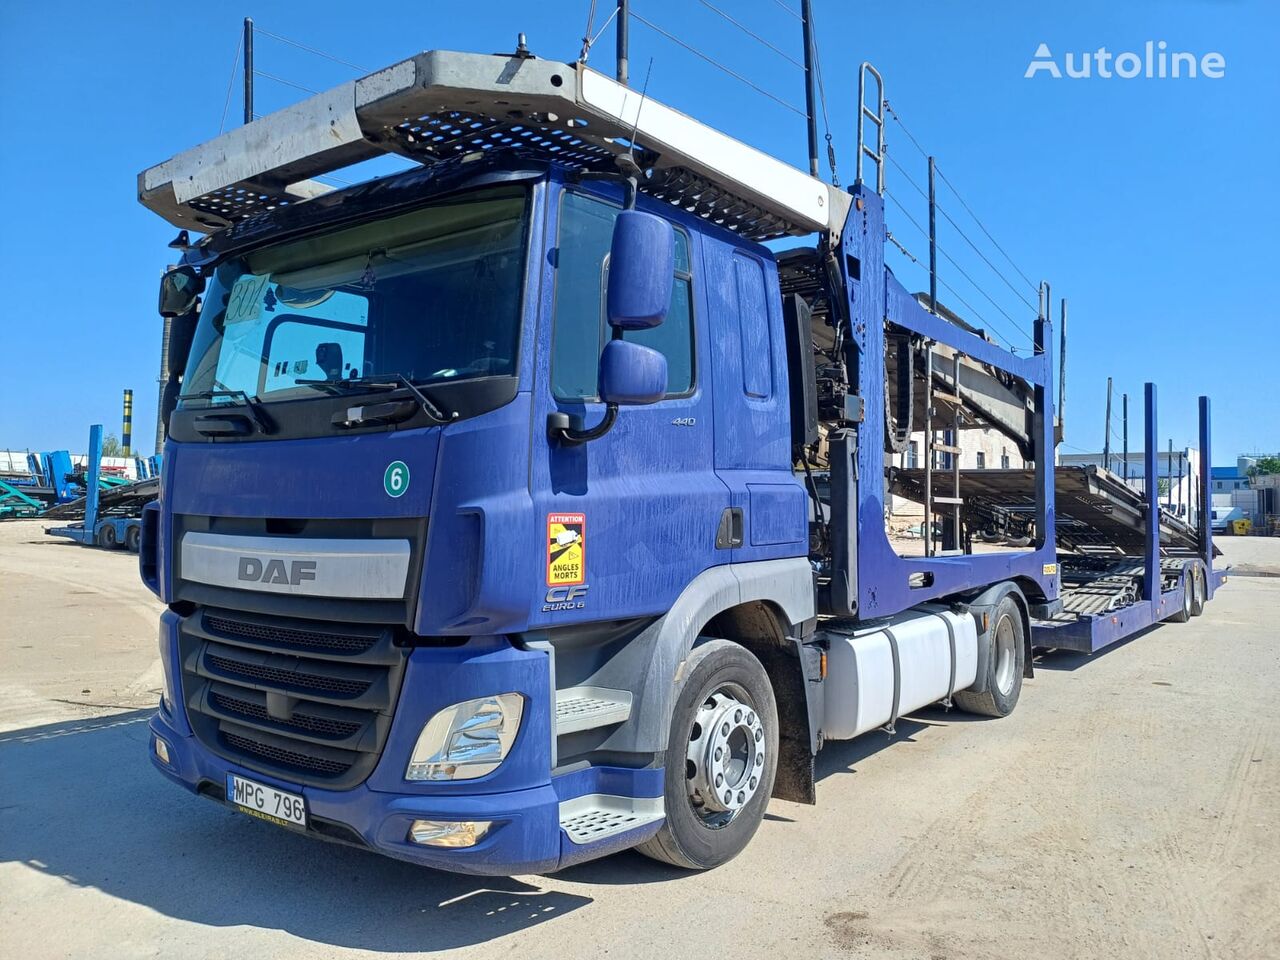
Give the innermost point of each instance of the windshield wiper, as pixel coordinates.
(386, 381)
(253, 404)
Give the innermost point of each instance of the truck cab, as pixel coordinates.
(440, 492)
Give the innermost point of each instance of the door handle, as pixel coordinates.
(729, 533)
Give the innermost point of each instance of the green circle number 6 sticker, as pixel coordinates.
(396, 480)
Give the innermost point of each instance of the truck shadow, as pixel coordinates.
(79, 801)
(1068, 661)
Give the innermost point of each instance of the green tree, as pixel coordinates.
(1265, 466)
(111, 446)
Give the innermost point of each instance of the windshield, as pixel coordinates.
(433, 295)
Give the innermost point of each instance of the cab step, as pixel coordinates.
(585, 708)
(598, 816)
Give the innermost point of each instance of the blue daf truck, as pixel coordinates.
(525, 506)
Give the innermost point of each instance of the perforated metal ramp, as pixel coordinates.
(442, 107)
(584, 708)
(1094, 508)
(122, 500)
(599, 816)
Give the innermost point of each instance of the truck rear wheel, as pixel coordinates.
(107, 536)
(1187, 610)
(133, 538)
(1006, 659)
(721, 759)
(1198, 590)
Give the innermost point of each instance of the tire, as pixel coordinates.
(107, 536)
(1006, 659)
(133, 538)
(1199, 590)
(726, 689)
(1187, 610)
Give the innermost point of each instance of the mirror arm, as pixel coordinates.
(562, 426)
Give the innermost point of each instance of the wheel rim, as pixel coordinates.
(1006, 655)
(1187, 588)
(726, 758)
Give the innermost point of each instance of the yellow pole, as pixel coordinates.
(126, 439)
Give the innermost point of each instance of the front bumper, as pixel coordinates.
(521, 798)
(525, 837)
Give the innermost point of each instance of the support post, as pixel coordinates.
(623, 28)
(1042, 434)
(1062, 372)
(1206, 498)
(1168, 487)
(92, 474)
(933, 242)
(928, 449)
(248, 70)
(1106, 440)
(1181, 465)
(806, 22)
(1124, 416)
(1151, 457)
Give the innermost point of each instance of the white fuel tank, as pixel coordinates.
(861, 668)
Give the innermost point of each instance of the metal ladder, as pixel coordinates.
(875, 116)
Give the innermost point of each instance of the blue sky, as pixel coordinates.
(1151, 204)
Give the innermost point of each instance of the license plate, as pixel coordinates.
(266, 803)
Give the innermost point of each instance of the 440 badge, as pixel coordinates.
(566, 549)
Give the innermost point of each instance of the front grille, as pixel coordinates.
(307, 701)
(298, 721)
(280, 757)
(289, 679)
(285, 637)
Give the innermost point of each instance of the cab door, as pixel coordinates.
(752, 406)
(628, 519)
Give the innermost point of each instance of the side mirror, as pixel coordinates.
(631, 374)
(179, 289)
(641, 263)
(182, 332)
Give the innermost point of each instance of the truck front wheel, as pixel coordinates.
(721, 758)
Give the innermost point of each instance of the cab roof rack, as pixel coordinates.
(440, 106)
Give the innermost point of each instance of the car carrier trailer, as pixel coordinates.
(109, 516)
(524, 506)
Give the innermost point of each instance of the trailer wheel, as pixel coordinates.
(1006, 659)
(132, 538)
(721, 759)
(1187, 610)
(1198, 590)
(107, 536)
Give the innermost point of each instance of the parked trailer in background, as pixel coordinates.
(110, 515)
(579, 559)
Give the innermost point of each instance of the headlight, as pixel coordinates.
(466, 740)
(448, 833)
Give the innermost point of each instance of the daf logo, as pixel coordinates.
(276, 571)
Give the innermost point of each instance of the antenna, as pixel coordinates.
(627, 162)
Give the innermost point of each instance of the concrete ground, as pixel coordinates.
(1127, 809)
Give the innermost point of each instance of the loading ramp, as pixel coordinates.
(1095, 510)
(125, 499)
